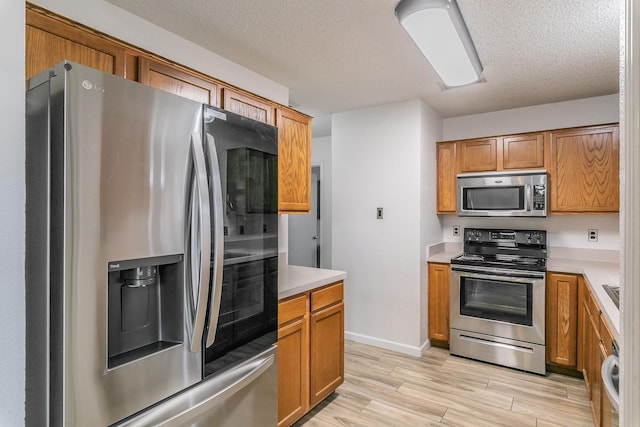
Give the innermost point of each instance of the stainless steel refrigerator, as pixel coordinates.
(151, 265)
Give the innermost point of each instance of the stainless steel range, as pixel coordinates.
(498, 298)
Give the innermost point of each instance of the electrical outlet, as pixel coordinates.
(379, 213)
(456, 230)
(592, 235)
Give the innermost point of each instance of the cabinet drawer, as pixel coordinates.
(291, 309)
(327, 296)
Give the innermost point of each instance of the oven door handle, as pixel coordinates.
(488, 271)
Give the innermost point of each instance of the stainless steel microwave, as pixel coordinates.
(518, 194)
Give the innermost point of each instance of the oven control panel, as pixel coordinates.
(539, 199)
(510, 237)
(503, 235)
(534, 237)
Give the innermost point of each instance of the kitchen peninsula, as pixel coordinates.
(310, 338)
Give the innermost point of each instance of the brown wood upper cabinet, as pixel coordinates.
(583, 166)
(584, 170)
(248, 106)
(523, 151)
(477, 155)
(179, 82)
(50, 41)
(446, 178)
(294, 161)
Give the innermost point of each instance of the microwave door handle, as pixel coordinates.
(461, 200)
(218, 233)
(200, 242)
(527, 198)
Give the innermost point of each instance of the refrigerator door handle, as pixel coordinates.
(218, 233)
(200, 250)
(185, 408)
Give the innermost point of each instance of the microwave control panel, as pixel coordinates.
(539, 197)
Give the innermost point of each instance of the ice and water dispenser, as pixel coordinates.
(145, 307)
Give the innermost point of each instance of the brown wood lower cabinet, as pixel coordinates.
(293, 357)
(326, 371)
(562, 319)
(438, 304)
(595, 345)
(310, 350)
(609, 416)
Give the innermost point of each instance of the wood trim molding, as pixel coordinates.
(630, 218)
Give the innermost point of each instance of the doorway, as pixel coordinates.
(305, 233)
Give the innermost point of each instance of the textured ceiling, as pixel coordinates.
(339, 55)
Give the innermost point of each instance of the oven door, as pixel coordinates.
(499, 302)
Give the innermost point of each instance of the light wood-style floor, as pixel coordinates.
(384, 388)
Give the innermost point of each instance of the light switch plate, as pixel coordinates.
(379, 213)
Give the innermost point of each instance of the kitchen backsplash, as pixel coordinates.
(569, 231)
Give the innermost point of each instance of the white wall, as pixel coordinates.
(580, 112)
(430, 224)
(378, 162)
(563, 230)
(12, 190)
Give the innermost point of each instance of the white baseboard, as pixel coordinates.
(389, 345)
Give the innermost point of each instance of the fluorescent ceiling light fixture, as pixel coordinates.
(437, 28)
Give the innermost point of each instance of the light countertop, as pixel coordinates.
(293, 279)
(443, 252)
(598, 267)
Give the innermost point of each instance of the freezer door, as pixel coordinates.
(246, 395)
(122, 199)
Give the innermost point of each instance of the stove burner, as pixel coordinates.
(484, 247)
